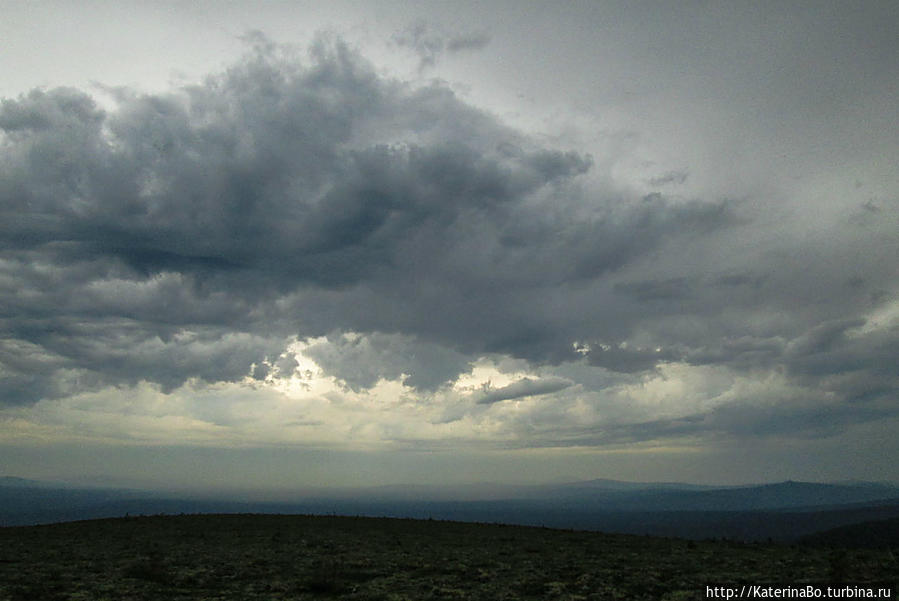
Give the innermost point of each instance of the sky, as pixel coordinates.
(302, 244)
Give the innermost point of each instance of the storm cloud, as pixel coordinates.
(316, 196)
(402, 233)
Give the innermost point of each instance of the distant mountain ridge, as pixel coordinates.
(789, 493)
(781, 495)
(614, 495)
(609, 484)
(782, 510)
(15, 482)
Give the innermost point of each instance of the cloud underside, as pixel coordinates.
(192, 237)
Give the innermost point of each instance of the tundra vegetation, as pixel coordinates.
(273, 557)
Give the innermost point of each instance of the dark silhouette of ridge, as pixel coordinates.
(875, 534)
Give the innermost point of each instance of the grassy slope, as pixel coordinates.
(249, 557)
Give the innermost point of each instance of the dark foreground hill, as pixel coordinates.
(878, 534)
(270, 557)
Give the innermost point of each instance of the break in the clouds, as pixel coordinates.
(307, 225)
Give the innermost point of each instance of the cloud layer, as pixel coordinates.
(194, 236)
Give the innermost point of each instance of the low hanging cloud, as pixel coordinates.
(522, 388)
(360, 361)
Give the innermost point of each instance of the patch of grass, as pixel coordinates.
(325, 577)
(150, 568)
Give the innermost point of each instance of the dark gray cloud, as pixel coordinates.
(522, 388)
(360, 361)
(212, 209)
(656, 290)
(473, 40)
(430, 42)
(629, 360)
(669, 178)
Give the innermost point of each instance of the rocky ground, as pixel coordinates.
(269, 557)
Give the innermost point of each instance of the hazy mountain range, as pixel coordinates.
(780, 511)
